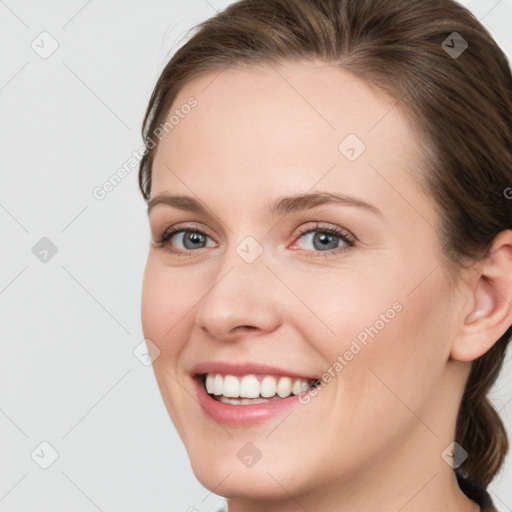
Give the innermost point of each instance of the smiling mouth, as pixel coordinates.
(253, 388)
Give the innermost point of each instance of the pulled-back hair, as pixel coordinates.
(460, 103)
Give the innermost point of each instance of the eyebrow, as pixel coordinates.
(280, 206)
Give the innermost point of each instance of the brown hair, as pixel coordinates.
(460, 104)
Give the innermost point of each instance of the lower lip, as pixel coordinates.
(241, 415)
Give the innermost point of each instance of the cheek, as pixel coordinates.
(379, 341)
(167, 296)
(341, 306)
(380, 306)
(401, 367)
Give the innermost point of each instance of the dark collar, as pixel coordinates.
(476, 493)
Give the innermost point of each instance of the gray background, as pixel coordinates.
(69, 325)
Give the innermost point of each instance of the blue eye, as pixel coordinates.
(326, 240)
(322, 241)
(190, 239)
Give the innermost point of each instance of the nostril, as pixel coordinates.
(244, 328)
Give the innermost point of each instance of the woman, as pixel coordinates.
(329, 282)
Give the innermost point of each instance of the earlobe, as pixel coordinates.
(491, 314)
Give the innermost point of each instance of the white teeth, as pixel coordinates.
(250, 387)
(243, 401)
(218, 385)
(268, 386)
(231, 386)
(284, 388)
(209, 384)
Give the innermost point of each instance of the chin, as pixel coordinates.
(221, 470)
(222, 477)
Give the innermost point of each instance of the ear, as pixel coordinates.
(489, 312)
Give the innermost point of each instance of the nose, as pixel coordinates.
(241, 297)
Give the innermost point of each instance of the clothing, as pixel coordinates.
(472, 490)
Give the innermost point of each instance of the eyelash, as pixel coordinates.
(342, 234)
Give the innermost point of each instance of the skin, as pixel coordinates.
(372, 438)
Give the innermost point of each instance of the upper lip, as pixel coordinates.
(229, 368)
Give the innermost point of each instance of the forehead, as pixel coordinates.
(285, 126)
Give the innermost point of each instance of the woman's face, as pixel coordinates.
(348, 291)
